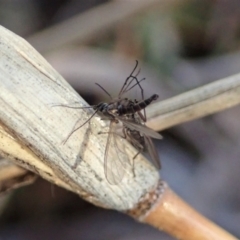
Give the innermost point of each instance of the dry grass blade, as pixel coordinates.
(33, 131)
(197, 103)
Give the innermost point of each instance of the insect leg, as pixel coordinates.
(142, 116)
(104, 90)
(126, 81)
(74, 130)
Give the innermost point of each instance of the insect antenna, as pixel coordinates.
(104, 90)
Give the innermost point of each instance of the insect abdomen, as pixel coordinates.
(135, 107)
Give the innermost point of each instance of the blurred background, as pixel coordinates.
(180, 45)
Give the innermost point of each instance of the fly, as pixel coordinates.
(125, 111)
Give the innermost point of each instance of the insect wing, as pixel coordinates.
(152, 151)
(116, 160)
(141, 128)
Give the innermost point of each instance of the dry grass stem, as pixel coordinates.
(164, 210)
(32, 131)
(197, 103)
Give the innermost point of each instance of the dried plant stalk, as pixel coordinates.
(32, 131)
(200, 102)
(163, 209)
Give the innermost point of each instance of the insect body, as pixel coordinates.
(128, 112)
(126, 106)
(134, 130)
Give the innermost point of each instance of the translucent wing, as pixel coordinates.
(141, 128)
(116, 161)
(152, 151)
